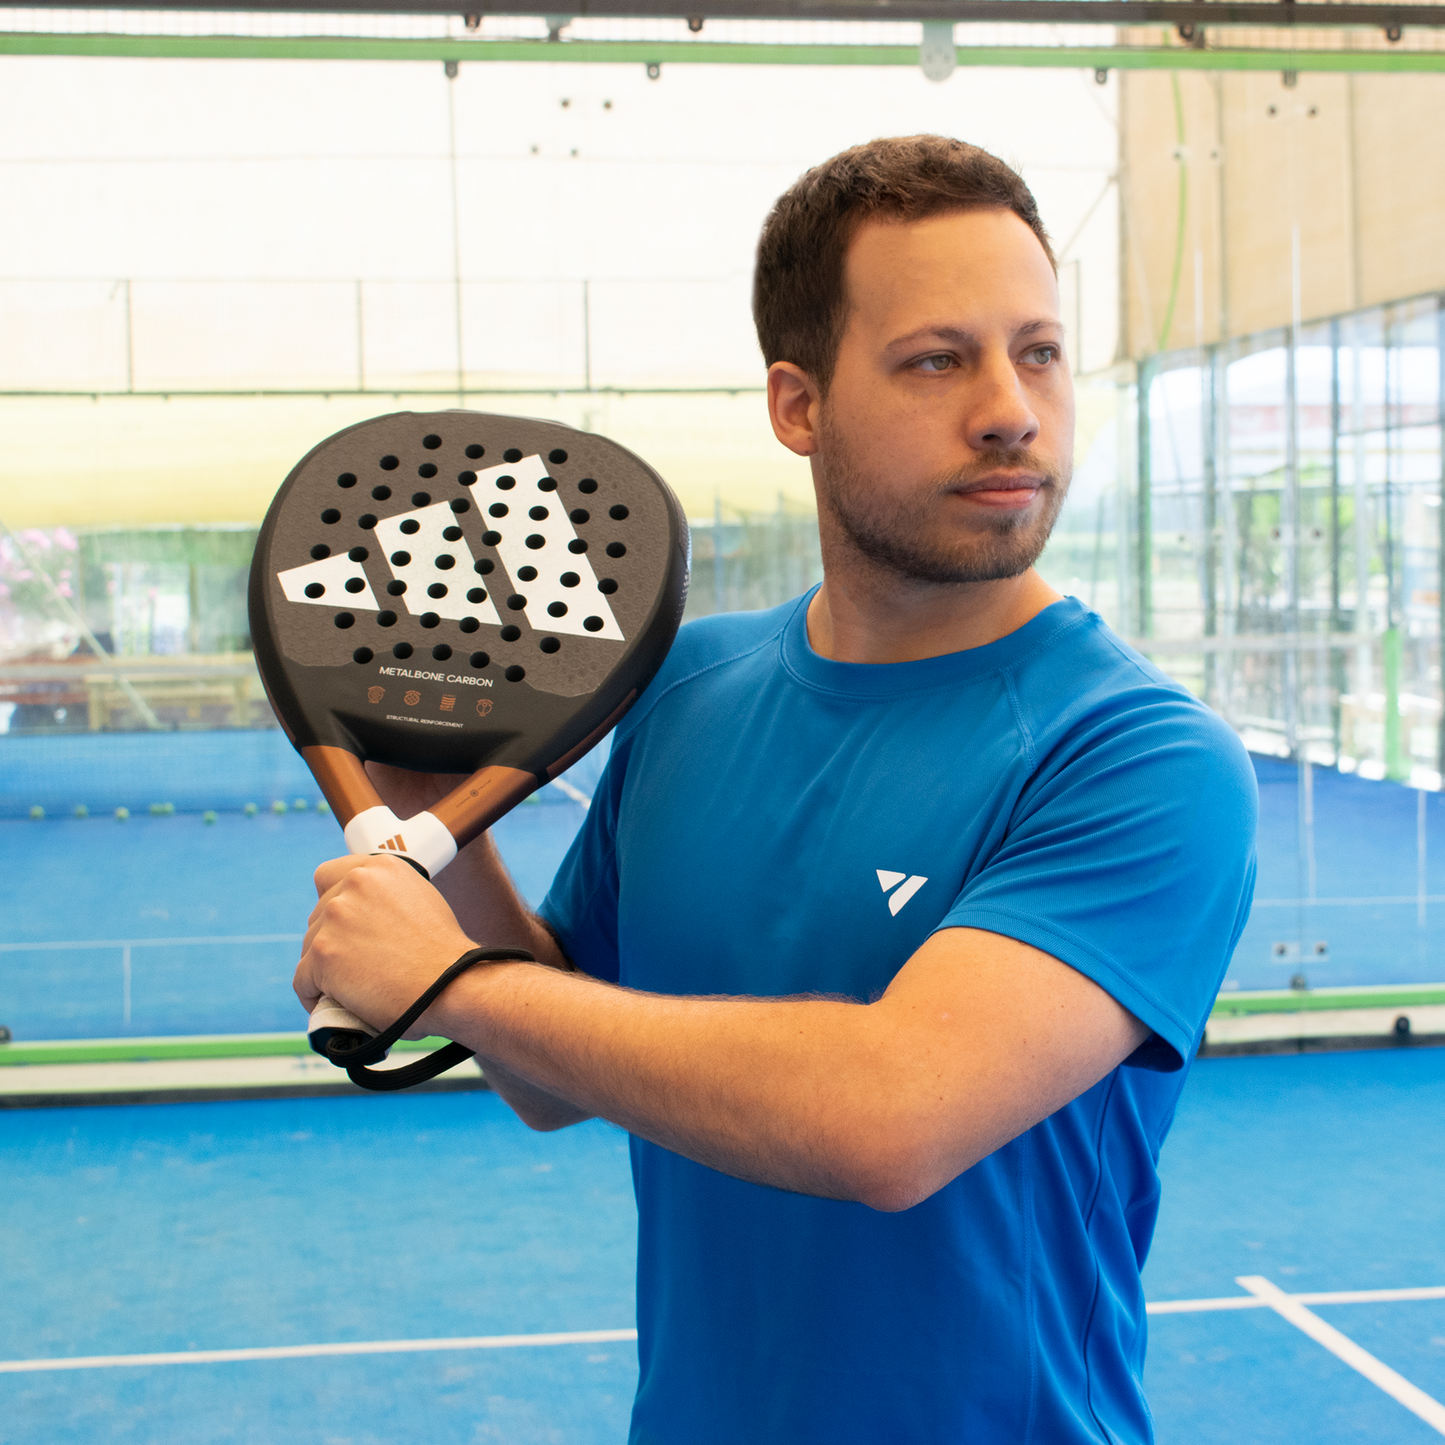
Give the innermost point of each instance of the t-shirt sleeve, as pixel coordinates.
(1130, 857)
(581, 905)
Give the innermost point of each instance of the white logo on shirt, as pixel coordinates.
(887, 880)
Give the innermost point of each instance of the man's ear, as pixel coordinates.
(794, 407)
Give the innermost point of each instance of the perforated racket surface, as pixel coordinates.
(456, 592)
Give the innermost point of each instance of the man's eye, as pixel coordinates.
(941, 362)
(1043, 355)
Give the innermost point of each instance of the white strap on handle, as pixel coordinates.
(423, 839)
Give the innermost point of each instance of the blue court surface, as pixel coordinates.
(282, 1225)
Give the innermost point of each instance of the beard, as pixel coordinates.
(908, 536)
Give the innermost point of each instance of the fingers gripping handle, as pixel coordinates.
(422, 841)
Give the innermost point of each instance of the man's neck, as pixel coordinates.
(865, 614)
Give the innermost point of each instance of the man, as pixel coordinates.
(918, 890)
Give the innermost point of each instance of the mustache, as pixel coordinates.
(1002, 459)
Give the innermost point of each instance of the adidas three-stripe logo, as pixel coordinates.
(397, 846)
(888, 880)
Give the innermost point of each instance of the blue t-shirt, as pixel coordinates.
(773, 823)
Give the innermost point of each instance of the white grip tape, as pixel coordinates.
(328, 1014)
(424, 838)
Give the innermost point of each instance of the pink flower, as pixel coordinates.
(64, 539)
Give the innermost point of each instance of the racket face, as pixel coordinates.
(445, 591)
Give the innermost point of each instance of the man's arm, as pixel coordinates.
(977, 1039)
(489, 910)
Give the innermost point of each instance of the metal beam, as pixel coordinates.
(1197, 13)
(701, 52)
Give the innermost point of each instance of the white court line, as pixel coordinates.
(1324, 1297)
(1396, 1386)
(311, 1352)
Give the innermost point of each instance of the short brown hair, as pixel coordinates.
(800, 307)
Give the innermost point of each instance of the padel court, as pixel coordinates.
(367, 1269)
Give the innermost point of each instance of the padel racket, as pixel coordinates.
(454, 592)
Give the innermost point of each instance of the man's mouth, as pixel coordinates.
(1004, 490)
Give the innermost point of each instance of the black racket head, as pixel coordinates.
(449, 590)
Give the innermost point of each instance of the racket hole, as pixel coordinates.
(593, 624)
(386, 619)
(432, 442)
(587, 485)
(557, 455)
(511, 633)
(569, 579)
(401, 559)
(536, 541)
(516, 602)
(491, 538)
(411, 527)
(344, 620)
(315, 589)
(389, 464)
(547, 484)
(451, 534)
(421, 499)
(444, 562)
(403, 650)
(483, 566)
(505, 484)
(366, 521)
(358, 554)
(617, 513)
(467, 479)
(556, 609)
(356, 584)
(460, 505)
(362, 654)
(469, 624)
(479, 659)
(497, 509)
(616, 549)
(346, 479)
(427, 469)
(580, 515)
(577, 545)
(429, 619)
(512, 454)
(330, 515)
(437, 589)
(549, 644)
(515, 673)
(395, 589)
(538, 514)
(381, 494)
(607, 586)
(477, 594)
(474, 451)
(441, 652)
(526, 574)
(320, 550)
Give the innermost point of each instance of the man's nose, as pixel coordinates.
(998, 414)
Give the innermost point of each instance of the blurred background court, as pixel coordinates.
(232, 234)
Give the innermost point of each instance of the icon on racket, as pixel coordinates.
(457, 592)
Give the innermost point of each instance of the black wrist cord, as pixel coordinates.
(352, 1050)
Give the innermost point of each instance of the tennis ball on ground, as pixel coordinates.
(301, 805)
(208, 816)
(278, 806)
(249, 810)
(37, 812)
(162, 810)
(81, 811)
(323, 806)
(121, 814)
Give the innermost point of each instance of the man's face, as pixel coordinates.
(945, 439)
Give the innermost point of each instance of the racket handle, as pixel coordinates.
(330, 1021)
(423, 839)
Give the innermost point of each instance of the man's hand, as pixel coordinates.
(379, 937)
